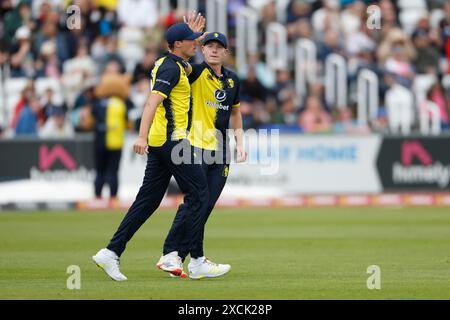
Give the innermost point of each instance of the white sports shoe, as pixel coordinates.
(109, 262)
(171, 263)
(207, 269)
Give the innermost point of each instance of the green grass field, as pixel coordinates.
(274, 253)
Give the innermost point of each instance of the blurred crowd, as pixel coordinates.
(125, 37)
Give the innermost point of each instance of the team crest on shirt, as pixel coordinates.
(230, 83)
(225, 171)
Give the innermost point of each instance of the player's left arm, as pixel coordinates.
(236, 124)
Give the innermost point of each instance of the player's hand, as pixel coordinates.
(241, 154)
(200, 39)
(195, 21)
(140, 146)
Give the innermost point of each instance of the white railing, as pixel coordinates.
(246, 36)
(276, 46)
(281, 8)
(367, 96)
(430, 118)
(336, 81)
(400, 111)
(305, 65)
(216, 16)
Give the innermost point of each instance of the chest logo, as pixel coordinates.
(220, 95)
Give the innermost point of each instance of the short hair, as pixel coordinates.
(172, 46)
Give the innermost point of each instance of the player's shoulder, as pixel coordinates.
(197, 70)
(232, 77)
(198, 67)
(230, 74)
(165, 63)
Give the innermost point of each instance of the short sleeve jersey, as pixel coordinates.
(172, 118)
(213, 98)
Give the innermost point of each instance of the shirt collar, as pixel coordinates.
(224, 71)
(175, 57)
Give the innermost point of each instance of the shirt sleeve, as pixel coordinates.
(166, 79)
(196, 72)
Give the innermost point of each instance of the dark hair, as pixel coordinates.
(172, 46)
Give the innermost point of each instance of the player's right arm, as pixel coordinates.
(163, 81)
(152, 103)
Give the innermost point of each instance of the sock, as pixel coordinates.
(172, 254)
(197, 261)
(111, 254)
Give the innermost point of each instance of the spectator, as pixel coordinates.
(253, 92)
(436, 94)
(298, 19)
(427, 59)
(395, 54)
(5, 66)
(263, 72)
(397, 39)
(56, 125)
(351, 16)
(48, 33)
(28, 94)
(142, 69)
(22, 62)
(16, 18)
(48, 66)
(81, 66)
(314, 119)
(49, 104)
(289, 106)
(345, 123)
(389, 19)
(27, 123)
(331, 44)
(444, 27)
(325, 17)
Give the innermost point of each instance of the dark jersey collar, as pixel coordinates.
(175, 57)
(224, 71)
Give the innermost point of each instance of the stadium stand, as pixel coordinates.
(409, 54)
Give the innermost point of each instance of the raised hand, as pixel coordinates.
(195, 21)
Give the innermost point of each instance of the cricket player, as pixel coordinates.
(215, 95)
(164, 126)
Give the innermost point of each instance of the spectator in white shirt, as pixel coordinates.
(56, 125)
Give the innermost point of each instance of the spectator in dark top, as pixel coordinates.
(49, 104)
(252, 88)
(330, 44)
(298, 9)
(14, 19)
(49, 33)
(22, 59)
(427, 58)
(142, 69)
